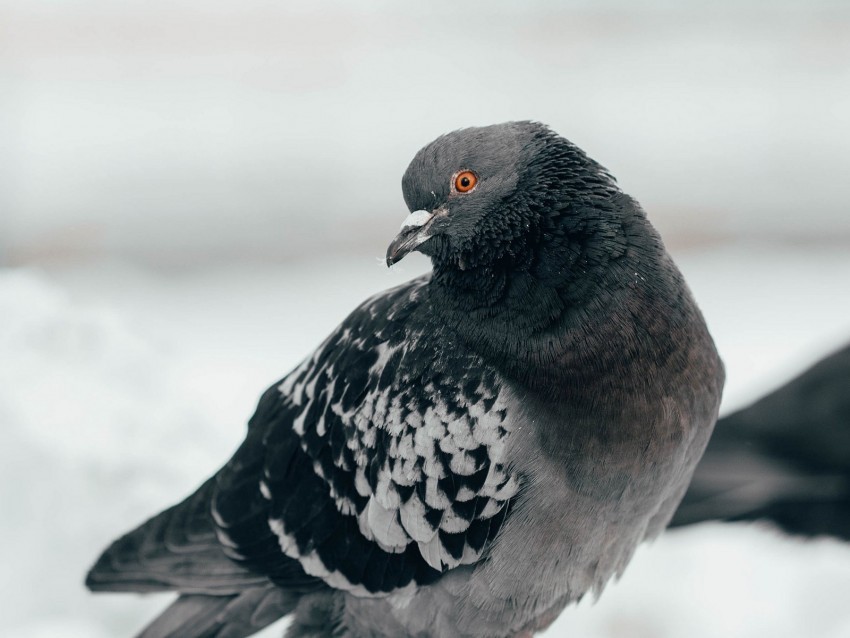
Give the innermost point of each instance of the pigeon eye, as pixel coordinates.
(465, 181)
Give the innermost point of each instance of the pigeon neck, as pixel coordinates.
(504, 311)
(539, 279)
(575, 295)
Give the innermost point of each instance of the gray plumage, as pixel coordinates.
(470, 452)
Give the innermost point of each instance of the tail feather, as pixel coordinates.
(202, 616)
(785, 459)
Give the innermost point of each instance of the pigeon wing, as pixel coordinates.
(378, 462)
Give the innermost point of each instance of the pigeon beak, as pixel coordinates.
(413, 232)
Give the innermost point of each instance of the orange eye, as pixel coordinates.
(465, 181)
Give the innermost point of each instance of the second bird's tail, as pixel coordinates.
(785, 459)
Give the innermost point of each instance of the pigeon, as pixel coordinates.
(469, 452)
(784, 459)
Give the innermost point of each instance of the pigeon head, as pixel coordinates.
(481, 196)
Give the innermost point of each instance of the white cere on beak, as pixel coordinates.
(417, 218)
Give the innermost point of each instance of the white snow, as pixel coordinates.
(122, 389)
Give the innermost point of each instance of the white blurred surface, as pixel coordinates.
(121, 389)
(183, 132)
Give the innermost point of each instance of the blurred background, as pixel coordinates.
(193, 194)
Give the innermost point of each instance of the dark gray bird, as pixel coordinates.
(785, 459)
(468, 452)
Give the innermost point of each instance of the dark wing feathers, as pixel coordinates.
(373, 464)
(176, 549)
(240, 514)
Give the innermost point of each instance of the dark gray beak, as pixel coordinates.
(413, 232)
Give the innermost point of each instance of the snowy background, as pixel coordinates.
(193, 194)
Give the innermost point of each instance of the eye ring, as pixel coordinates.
(465, 181)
